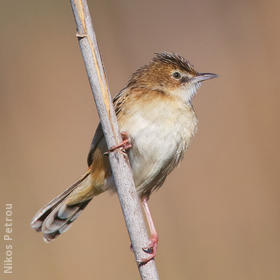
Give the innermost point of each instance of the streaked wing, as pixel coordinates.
(97, 138)
(118, 101)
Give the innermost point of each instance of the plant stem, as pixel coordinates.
(121, 170)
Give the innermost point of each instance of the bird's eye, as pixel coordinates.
(176, 75)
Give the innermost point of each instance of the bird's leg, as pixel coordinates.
(152, 248)
(123, 146)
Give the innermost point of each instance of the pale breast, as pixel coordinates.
(160, 133)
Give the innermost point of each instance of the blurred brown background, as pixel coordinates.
(218, 214)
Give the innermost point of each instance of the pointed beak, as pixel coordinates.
(203, 77)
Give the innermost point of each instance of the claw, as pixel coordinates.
(123, 146)
(151, 249)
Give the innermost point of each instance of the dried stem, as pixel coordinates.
(120, 167)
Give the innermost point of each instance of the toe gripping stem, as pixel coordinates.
(123, 146)
(152, 248)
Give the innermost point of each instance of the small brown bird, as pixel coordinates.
(157, 121)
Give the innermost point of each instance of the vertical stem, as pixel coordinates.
(120, 167)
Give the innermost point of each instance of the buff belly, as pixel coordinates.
(159, 140)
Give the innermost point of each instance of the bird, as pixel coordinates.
(157, 121)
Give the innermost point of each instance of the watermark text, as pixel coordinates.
(8, 239)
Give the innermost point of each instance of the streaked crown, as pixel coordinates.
(169, 73)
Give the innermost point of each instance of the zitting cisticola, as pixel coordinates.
(157, 120)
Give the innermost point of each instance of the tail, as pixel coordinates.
(56, 217)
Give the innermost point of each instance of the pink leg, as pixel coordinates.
(123, 146)
(152, 249)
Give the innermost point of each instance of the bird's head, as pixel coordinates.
(170, 74)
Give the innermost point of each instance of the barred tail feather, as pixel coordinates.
(60, 219)
(57, 216)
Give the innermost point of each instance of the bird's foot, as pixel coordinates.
(151, 249)
(123, 146)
